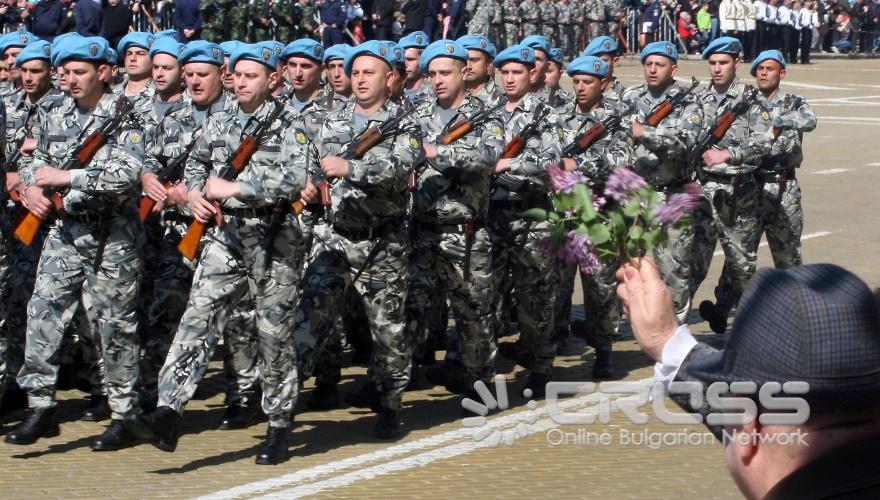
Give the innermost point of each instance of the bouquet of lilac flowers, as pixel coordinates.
(624, 221)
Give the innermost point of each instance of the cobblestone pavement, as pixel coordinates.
(335, 455)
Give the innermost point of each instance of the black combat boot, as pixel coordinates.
(513, 352)
(273, 451)
(239, 417)
(98, 409)
(450, 375)
(14, 398)
(115, 437)
(388, 426)
(366, 397)
(160, 427)
(324, 397)
(715, 315)
(537, 383)
(40, 422)
(602, 366)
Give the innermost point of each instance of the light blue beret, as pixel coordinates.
(724, 45)
(16, 39)
(442, 48)
(166, 45)
(84, 48)
(35, 50)
(276, 46)
(600, 45)
(775, 55)
(537, 42)
(171, 33)
(379, 49)
(304, 47)
(588, 65)
(338, 51)
(138, 39)
(415, 40)
(56, 44)
(516, 53)
(229, 46)
(262, 53)
(665, 49)
(556, 55)
(396, 53)
(112, 56)
(479, 42)
(201, 51)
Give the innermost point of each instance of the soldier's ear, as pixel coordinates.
(782, 73)
(674, 69)
(604, 84)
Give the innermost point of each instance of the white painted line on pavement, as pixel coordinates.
(872, 164)
(466, 446)
(858, 118)
(843, 99)
(805, 237)
(831, 171)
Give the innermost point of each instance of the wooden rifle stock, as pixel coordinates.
(147, 204)
(513, 148)
(457, 131)
(586, 140)
(659, 113)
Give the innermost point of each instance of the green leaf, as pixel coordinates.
(557, 234)
(582, 229)
(599, 233)
(553, 216)
(635, 232)
(617, 222)
(632, 208)
(632, 249)
(536, 213)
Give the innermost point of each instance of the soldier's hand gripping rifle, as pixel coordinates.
(189, 244)
(10, 165)
(719, 130)
(669, 104)
(790, 105)
(169, 175)
(516, 145)
(27, 229)
(599, 130)
(355, 150)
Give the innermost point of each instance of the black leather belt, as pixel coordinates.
(364, 234)
(94, 218)
(728, 178)
(250, 212)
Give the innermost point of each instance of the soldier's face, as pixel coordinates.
(768, 75)
(253, 82)
(4, 72)
(722, 69)
(137, 62)
(36, 76)
(370, 77)
(411, 63)
(303, 73)
(516, 78)
(63, 84)
(9, 58)
(85, 79)
(203, 82)
(447, 77)
(339, 81)
(554, 73)
(540, 66)
(611, 60)
(166, 73)
(659, 72)
(228, 82)
(477, 69)
(588, 89)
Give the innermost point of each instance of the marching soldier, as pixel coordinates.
(92, 252)
(606, 48)
(138, 82)
(334, 65)
(214, 26)
(594, 12)
(521, 183)
(479, 74)
(541, 46)
(530, 18)
(22, 121)
(365, 244)
(566, 20)
(590, 77)
(727, 173)
(512, 17)
(548, 18)
(559, 97)
(451, 250)
(11, 44)
(661, 155)
(255, 256)
(416, 87)
(780, 215)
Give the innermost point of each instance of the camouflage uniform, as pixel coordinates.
(255, 256)
(530, 18)
(548, 19)
(6, 239)
(239, 21)
(612, 8)
(451, 191)
(615, 90)
(490, 93)
(480, 14)
(92, 254)
(285, 24)
(512, 17)
(661, 157)
(496, 22)
(214, 26)
(561, 98)
(732, 194)
(260, 16)
(594, 15)
(22, 120)
(304, 19)
(782, 218)
(612, 151)
(368, 209)
(514, 238)
(578, 12)
(565, 35)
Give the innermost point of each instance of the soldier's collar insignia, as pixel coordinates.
(300, 137)
(413, 143)
(765, 115)
(450, 49)
(135, 137)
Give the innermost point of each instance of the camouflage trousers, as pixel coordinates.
(602, 307)
(596, 28)
(567, 41)
(511, 34)
(235, 266)
(782, 222)
(734, 222)
(98, 263)
(238, 20)
(533, 277)
(530, 29)
(548, 29)
(5, 245)
(382, 284)
(437, 262)
(673, 259)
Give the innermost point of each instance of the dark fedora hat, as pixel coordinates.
(818, 324)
